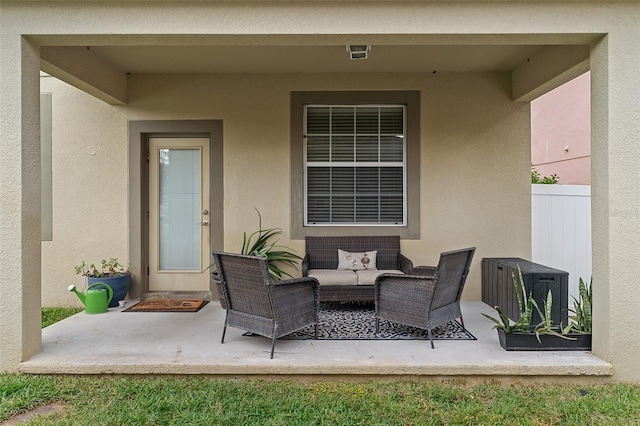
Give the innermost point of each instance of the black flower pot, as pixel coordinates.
(520, 341)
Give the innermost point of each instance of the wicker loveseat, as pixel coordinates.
(321, 262)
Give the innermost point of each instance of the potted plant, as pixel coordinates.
(111, 272)
(277, 255)
(582, 309)
(521, 335)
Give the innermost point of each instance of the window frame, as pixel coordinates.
(411, 100)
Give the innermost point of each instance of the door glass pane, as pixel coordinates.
(179, 199)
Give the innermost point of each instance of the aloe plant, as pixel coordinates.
(526, 303)
(546, 325)
(582, 309)
(277, 255)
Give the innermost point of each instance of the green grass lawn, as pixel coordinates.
(108, 400)
(53, 315)
(203, 401)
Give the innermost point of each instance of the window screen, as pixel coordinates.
(355, 171)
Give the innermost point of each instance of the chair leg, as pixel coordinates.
(273, 346)
(224, 329)
(315, 334)
(430, 338)
(377, 325)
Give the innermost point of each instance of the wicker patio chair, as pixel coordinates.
(268, 308)
(425, 301)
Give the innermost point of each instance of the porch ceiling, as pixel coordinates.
(314, 59)
(99, 64)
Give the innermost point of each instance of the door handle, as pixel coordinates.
(203, 223)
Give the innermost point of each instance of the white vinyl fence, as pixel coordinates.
(561, 230)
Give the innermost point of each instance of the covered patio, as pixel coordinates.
(189, 343)
(240, 75)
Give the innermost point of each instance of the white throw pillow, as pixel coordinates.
(357, 261)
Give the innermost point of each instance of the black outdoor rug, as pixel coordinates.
(356, 321)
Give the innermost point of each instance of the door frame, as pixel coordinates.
(139, 134)
(166, 278)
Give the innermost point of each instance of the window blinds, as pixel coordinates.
(355, 164)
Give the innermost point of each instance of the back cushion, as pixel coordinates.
(357, 261)
(323, 251)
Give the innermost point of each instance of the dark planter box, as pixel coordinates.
(519, 341)
(498, 290)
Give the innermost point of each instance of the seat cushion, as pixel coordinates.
(334, 276)
(369, 277)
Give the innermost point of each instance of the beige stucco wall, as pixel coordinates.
(19, 202)
(90, 194)
(615, 199)
(458, 156)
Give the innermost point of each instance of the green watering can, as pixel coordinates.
(95, 300)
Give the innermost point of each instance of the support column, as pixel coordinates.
(616, 200)
(20, 329)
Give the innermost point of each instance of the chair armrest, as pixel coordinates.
(295, 281)
(405, 277)
(295, 287)
(305, 265)
(424, 270)
(295, 295)
(404, 264)
(409, 288)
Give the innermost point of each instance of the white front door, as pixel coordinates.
(179, 237)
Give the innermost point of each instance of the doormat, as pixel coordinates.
(356, 321)
(168, 305)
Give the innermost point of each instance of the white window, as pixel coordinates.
(355, 165)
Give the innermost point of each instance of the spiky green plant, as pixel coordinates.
(526, 303)
(546, 325)
(277, 255)
(582, 309)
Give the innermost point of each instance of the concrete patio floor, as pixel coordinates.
(189, 343)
